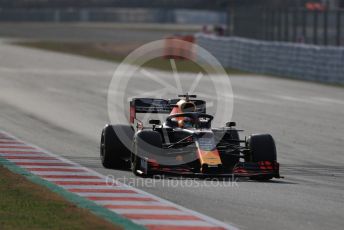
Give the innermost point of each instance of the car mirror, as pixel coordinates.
(231, 124)
(155, 122)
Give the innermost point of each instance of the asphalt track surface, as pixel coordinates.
(59, 102)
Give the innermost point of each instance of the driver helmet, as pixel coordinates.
(186, 123)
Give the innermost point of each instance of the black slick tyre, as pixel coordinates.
(113, 153)
(262, 148)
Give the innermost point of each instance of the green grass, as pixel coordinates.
(116, 52)
(25, 205)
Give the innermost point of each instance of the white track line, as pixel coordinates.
(120, 202)
(11, 143)
(148, 211)
(36, 161)
(92, 187)
(23, 151)
(73, 179)
(191, 223)
(66, 168)
(87, 194)
(21, 155)
(43, 173)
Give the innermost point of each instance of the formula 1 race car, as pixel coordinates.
(185, 143)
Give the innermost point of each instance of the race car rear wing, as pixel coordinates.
(153, 105)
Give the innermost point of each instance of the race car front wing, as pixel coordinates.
(241, 169)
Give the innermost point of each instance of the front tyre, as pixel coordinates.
(262, 148)
(113, 153)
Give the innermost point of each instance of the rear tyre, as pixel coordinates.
(262, 148)
(147, 145)
(113, 153)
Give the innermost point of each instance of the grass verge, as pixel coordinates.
(115, 52)
(25, 205)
